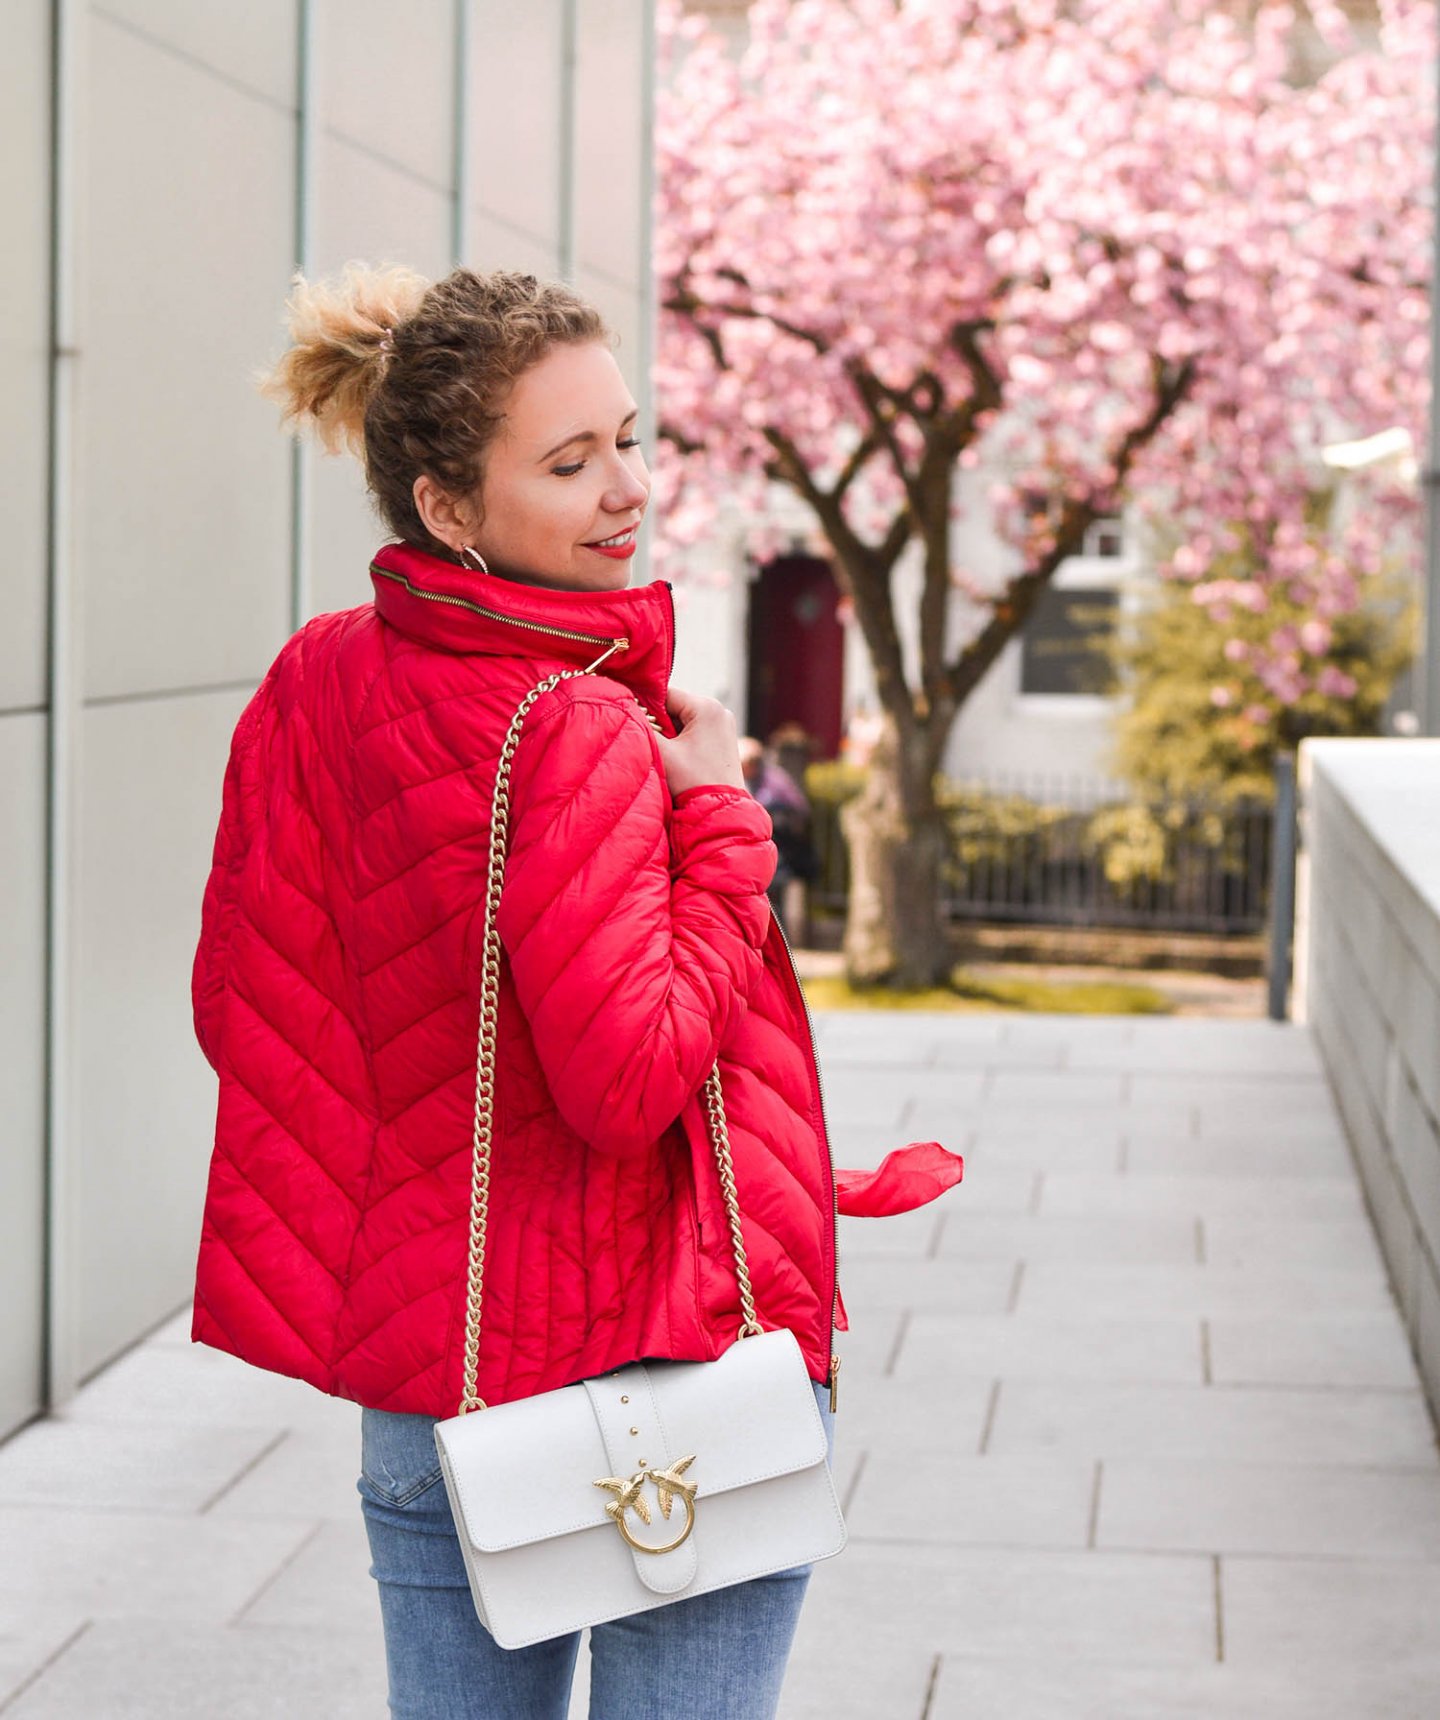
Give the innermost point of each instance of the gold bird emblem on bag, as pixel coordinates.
(669, 1484)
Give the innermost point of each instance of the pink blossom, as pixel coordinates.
(1335, 683)
(1048, 209)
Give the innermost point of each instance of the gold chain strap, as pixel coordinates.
(485, 1073)
(750, 1327)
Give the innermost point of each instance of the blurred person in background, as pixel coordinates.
(786, 802)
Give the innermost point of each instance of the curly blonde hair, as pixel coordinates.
(413, 376)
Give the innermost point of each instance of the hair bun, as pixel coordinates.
(342, 335)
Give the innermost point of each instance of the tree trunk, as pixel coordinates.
(895, 930)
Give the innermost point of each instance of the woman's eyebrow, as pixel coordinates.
(586, 436)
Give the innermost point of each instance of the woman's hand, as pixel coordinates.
(707, 749)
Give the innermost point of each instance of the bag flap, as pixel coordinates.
(526, 1471)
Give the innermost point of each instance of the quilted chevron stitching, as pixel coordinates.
(309, 1152)
(401, 1242)
(465, 1073)
(279, 1216)
(414, 785)
(433, 1168)
(475, 835)
(587, 859)
(234, 1344)
(410, 1026)
(424, 938)
(290, 1325)
(434, 702)
(296, 1051)
(254, 925)
(394, 1313)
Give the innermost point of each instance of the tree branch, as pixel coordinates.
(688, 302)
(860, 454)
(689, 307)
(865, 569)
(880, 404)
(964, 340)
(933, 485)
(1012, 610)
(678, 439)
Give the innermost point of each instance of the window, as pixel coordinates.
(1065, 646)
(1106, 539)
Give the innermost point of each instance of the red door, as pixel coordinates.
(796, 651)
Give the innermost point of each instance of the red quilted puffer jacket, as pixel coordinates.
(336, 994)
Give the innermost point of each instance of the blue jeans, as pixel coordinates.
(720, 1654)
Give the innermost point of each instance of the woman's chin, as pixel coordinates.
(599, 578)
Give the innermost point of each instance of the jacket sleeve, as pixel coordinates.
(634, 937)
(238, 811)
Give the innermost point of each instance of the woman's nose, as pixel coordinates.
(628, 489)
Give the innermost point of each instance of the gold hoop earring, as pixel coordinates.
(478, 562)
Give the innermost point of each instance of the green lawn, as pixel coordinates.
(976, 993)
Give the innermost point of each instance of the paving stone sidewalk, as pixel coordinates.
(1129, 1428)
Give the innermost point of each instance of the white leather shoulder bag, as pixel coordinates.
(639, 1487)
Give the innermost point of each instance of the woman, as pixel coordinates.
(336, 981)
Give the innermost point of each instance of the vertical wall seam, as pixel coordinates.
(648, 287)
(1429, 700)
(568, 129)
(303, 244)
(60, 1289)
(460, 164)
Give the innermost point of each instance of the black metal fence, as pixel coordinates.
(1083, 852)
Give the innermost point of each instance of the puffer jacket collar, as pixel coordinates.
(452, 608)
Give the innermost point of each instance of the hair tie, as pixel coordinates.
(387, 340)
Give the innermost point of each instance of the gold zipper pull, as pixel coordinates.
(834, 1383)
(615, 645)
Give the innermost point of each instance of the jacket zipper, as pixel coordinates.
(834, 1375)
(621, 644)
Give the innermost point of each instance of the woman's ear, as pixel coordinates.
(449, 519)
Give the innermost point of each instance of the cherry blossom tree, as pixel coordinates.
(1107, 249)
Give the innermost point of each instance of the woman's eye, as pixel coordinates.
(579, 465)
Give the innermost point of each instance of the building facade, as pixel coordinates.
(165, 166)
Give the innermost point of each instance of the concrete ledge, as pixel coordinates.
(1368, 977)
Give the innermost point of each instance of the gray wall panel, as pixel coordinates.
(150, 799)
(514, 90)
(182, 544)
(254, 44)
(621, 309)
(371, 211)
(346, 535)
(609, 130)
(497, 244)
(22, 1068)
(386, 80)
(24, 340)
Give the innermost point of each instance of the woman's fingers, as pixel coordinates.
(683, 706)
(707, 749)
